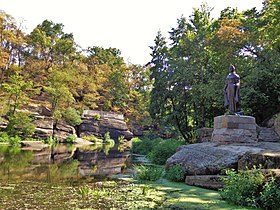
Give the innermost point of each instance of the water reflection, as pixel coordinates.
(62, 162)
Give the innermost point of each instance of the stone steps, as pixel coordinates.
(268, 135)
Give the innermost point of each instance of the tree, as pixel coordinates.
(12, 42)
(15, 89)
(262, 89)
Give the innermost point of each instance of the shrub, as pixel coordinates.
(96, 117)
(52, 141)
(93, 139)
(12, 140)
(175, 173)
(72, 116)
(121, 139)
(20, 124)
(107, 139)
(243, 188)
(143, 147)
(148, 172)
(270, 196)
(4, 137)
(70, 139)
(163, 150)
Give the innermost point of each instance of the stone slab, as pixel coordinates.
(225, 135)
(206, 181)
(234, 128)
(234, 121)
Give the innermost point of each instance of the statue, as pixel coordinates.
(231, 90)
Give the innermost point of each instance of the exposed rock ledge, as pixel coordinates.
(97, 123)
(212, 158)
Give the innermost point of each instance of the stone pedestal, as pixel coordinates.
(234, 129)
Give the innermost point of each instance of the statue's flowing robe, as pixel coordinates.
(232, 92)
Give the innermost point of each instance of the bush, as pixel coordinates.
(143, 147)
(270, 196)
(243, 188)
(11, 140)
(93, 139)
(52, 141)
(175, 173)
(148, 172)
(96, 117)
(20, 124)
(163, 150)
(72, 116)
(4, 137)
(70, 139)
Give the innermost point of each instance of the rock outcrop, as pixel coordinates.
(234, 145)
(267, 134)
(97, 123)
(212, 158)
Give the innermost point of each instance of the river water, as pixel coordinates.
(63, 163)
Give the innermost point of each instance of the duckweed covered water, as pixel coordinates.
(100, 195)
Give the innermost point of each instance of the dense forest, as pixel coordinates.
(180, 89)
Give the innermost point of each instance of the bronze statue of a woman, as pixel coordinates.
(232, 90)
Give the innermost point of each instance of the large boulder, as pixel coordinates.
(97, 123)
(212, 158)
(274, 123)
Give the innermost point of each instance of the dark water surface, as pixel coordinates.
(62, 163)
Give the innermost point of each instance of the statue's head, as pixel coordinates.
(231, 68)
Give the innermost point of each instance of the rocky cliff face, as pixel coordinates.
(97, 123)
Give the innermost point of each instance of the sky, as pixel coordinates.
(128, 25)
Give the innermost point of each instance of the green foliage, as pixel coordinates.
(192, 61)
(108, 145)
(148, 172)
(270, 196)
(84, 191)
(157, 150)
(251, 188)
(58, 89)
(175, 173)
(196, 61)
(107, 139)
(52, 141)
(143, 147)
(121, 139)
(163, 150)
(93, 139)
(20, 124)
(136, 139)
(96, 117)
(11, 140)
(4, 137)
(72, 116)
(70, 139)
(16, 90)
(246, 187)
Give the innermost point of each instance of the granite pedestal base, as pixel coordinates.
(234, 129)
